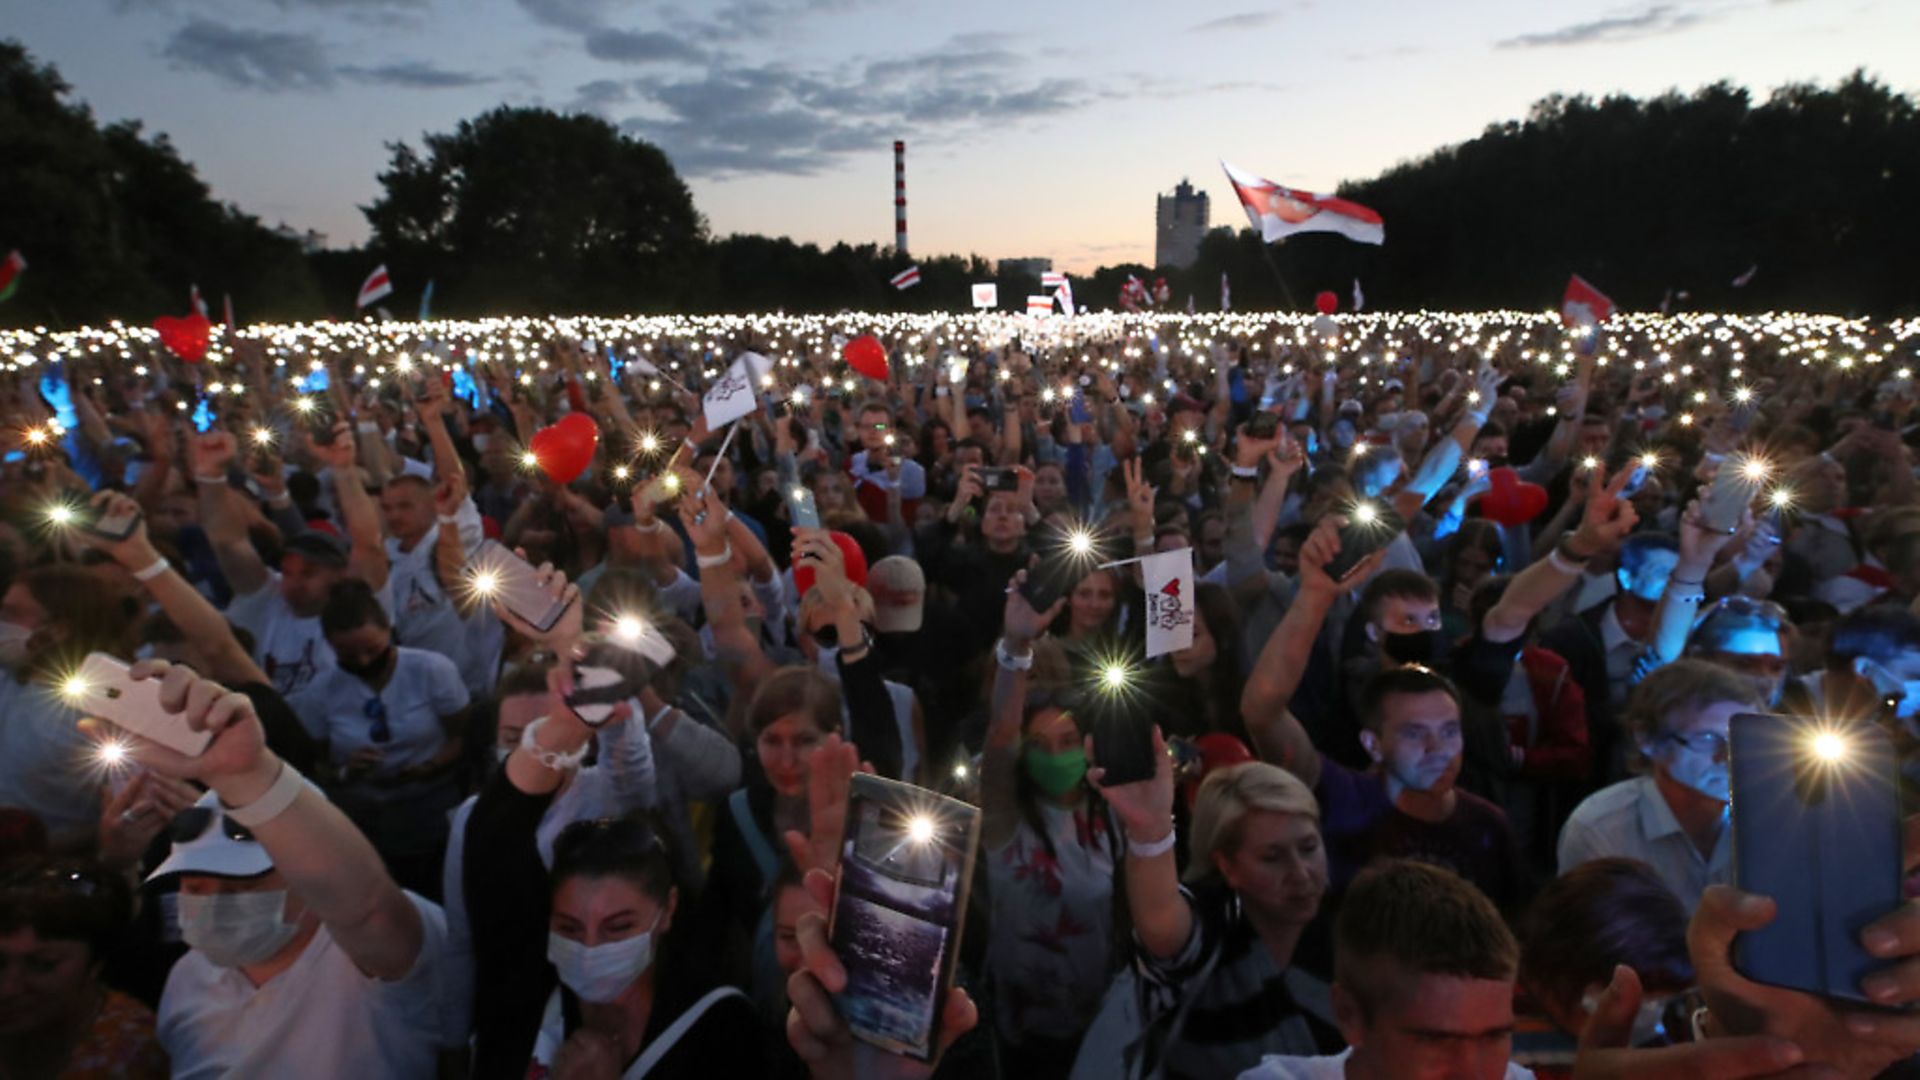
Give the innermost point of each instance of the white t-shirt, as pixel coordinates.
(1331, 1067)
(424, 617)
(338, 709)
(44, 761)
(321, 1017)
(290, 649)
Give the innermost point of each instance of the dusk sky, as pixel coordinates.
(1032, 129)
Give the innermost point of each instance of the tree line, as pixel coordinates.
(527, 211)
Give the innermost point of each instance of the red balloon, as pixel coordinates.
(867, 356)
(1509, 501)
(185, 337)
(565, 449)
(850, 552)
(1326, 303)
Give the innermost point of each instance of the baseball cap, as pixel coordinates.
(317, 546)
(899, 589)
(207, 841)
(855, 559)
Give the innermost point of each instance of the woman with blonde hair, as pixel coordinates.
(1216, 956)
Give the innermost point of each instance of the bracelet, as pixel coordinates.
(449, 519)
(1678, 581)
(1561, 564)
(209, 480)
(272, 802)
(708, 562)
(159, 567)
(1242, 472)
(653, 526)
(1010, 662)
(1566, 552)
(1138, 850)
(552, 760)
(281, 501)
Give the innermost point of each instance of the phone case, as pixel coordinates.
(115, 528)
(1059, 570)
(805, 509)
(1123, 746)
(108, 691)
(900, 902)
(1727, 498)
(1823, 839)
(516, 585)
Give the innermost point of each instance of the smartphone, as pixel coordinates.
(105, 688)
(1066, 557)
(1122, 743)
(115, 527)
(999, 478)
(496, 572)
(899, 904)
(802, 506)
(1817, 826)
(1727, 498)
(606, 676)
(1077, 409)
(1371, 525)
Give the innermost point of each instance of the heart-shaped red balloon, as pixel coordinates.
(185, 337)
(867, 356)
(565, 449)
(1509, 500)
(855, 559)
(1325, 302)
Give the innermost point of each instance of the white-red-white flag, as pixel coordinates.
(193, 298)
(1052, 279)
(1279, 212)
(737, 393)
(1041, 305)
(1168, 578)
(376, 286)
(1583, 305)
(906, 279)
(1743, 280)
(986, 294)
(1064, 294)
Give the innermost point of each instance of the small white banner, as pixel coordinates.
(1168, 577)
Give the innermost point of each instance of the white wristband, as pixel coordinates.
(1138, 850)
(209, 480)
(159, 567)
(1561, 564)
(1008, 661)
(552, 760)
(1245, 473)
(449, 519)
(653, 526)
(708, 562)
(273, 802)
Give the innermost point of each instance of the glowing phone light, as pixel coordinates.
(1829, 747)
(920, 829)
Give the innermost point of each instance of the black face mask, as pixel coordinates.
(1497, 461)
(1423, 647)
(366, 672)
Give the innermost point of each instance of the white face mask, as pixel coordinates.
(13, 644)
(599, 973)
(236, 929)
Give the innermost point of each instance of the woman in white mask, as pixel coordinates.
(586, 956)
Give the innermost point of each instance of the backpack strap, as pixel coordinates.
(675, 1031)
(757, 843)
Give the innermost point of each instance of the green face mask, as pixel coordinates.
(1055, 774)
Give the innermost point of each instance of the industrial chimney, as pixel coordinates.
(900, 196)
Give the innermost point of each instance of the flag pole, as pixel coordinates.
(1267, 251)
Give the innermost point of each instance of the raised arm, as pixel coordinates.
(1000, 757)
(323, 857)
(368, 559)
(1608, 518)
(1162, 914)
(210, 455)
(705, 519)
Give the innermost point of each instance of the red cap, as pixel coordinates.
(856, 561)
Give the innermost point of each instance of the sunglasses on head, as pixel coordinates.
(192, 823)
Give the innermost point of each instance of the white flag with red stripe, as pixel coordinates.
(1064, 294)
(906, 279)
(1039, 305)
(1168, 578)
(1583, 305)
(986, 294)
(1279, 212)
(1052, 279)
(376, 286)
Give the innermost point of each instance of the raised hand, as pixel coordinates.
(238, 749)
(211, 453)
(1607, 518)
(1021, 624)
(1145, 807)
(1321, 548)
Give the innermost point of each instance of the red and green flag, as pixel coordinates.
(10, 274)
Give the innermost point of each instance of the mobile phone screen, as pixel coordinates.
(496, 571)
(900, 901)
(805, 510)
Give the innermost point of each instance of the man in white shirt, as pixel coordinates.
(306, 959)
(1674, 818)
(1422, 983)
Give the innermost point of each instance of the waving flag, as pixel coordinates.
(1052, 279)
(1359, 298)
(906, 279)
(1061, 288)
(1168, 578)
(376, 286)
(193, 297)
(1279, 212)
(426, 302)
(1743, 280)
(10, 274)
(734, 395)
(1039, 306)
(1133, 294)
(1583, 305)
(1226, 293)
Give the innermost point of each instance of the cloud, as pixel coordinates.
(640, 46)
(581, 15)
(414, 74)
(1655, 20)
(254, 59)
(1245, 20)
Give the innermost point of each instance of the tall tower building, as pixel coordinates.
(1179, 220)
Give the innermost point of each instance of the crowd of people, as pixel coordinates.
(1446, 798)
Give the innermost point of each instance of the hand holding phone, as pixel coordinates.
(106, 689)
(803, 507)
(1727, 498)
(497, 574)
(1371, 526)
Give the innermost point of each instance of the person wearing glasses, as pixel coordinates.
(305, 958)
(1674, 816)
(60, 919)
(391, 720)
(631, 1000)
